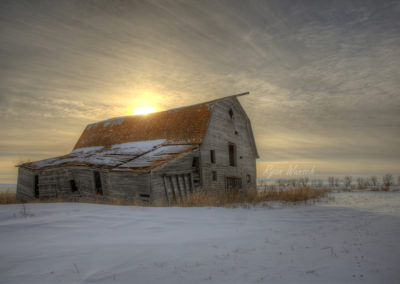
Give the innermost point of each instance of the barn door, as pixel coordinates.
(36, 189)
(177, 186)
(233, 183)
(97, 183)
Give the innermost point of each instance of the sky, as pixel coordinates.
(323, 76)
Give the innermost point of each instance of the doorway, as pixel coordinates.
(36, 188)
(97, 182)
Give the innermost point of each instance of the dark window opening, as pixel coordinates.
(36, 186)
(214, 175)
(231, 113)
(236, 133)
(73, 185)
(145, 195)
(195, 162)
(212, 156)
(232, 155)
(248, 178)
(97, 182)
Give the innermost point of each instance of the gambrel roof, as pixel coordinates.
(140, 143)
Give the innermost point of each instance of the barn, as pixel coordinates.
(156, 158)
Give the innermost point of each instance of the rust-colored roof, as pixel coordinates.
(185, 125)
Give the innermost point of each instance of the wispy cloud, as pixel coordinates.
(323, 76)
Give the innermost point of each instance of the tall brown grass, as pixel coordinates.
(8, 198)
(248, 198)
(232, 198)
(382, 188)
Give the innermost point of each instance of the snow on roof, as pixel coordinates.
(158, 155)
(140, 155)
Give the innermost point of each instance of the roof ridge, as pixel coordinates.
(171, 109)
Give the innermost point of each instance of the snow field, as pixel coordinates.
(347, 240)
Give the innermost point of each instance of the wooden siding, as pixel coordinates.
(179, 166)
(223, 130)
(129, 186)
(26, 184)
(55, 183)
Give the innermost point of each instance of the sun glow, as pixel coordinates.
(143, 110)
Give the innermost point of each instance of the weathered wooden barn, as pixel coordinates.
(157, 157)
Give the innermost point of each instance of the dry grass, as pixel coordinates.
(233, 198)
(249, 198)
(8, 198)
(382, 188)
(93, 200)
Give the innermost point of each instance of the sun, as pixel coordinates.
(143, 110)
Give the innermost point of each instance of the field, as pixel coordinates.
(353, 238)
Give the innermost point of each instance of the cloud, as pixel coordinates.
(323, 76)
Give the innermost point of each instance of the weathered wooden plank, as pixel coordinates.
(223, 130)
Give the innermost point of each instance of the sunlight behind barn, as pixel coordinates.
(143, 110)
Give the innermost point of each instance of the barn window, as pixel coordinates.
(97, 183)
(232, 154)
(73, 185)
(231, 113)
(36, 186)
(236, 133)
(248, 178)
(212, 156)
(214, 175)
(195, 162)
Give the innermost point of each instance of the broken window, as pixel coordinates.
(73, 185)
(212, 156)
(248, 178)
(214, 175)
(232, 154)
(231, 113)
(97, 182)
(36, 186)
(195, 162)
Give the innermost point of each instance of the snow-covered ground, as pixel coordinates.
(5, 187)
(354, 239)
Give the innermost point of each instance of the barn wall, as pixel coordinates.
(55, 183)
(221, 131)
(128, 185)
(25, 184)
(179, 165)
